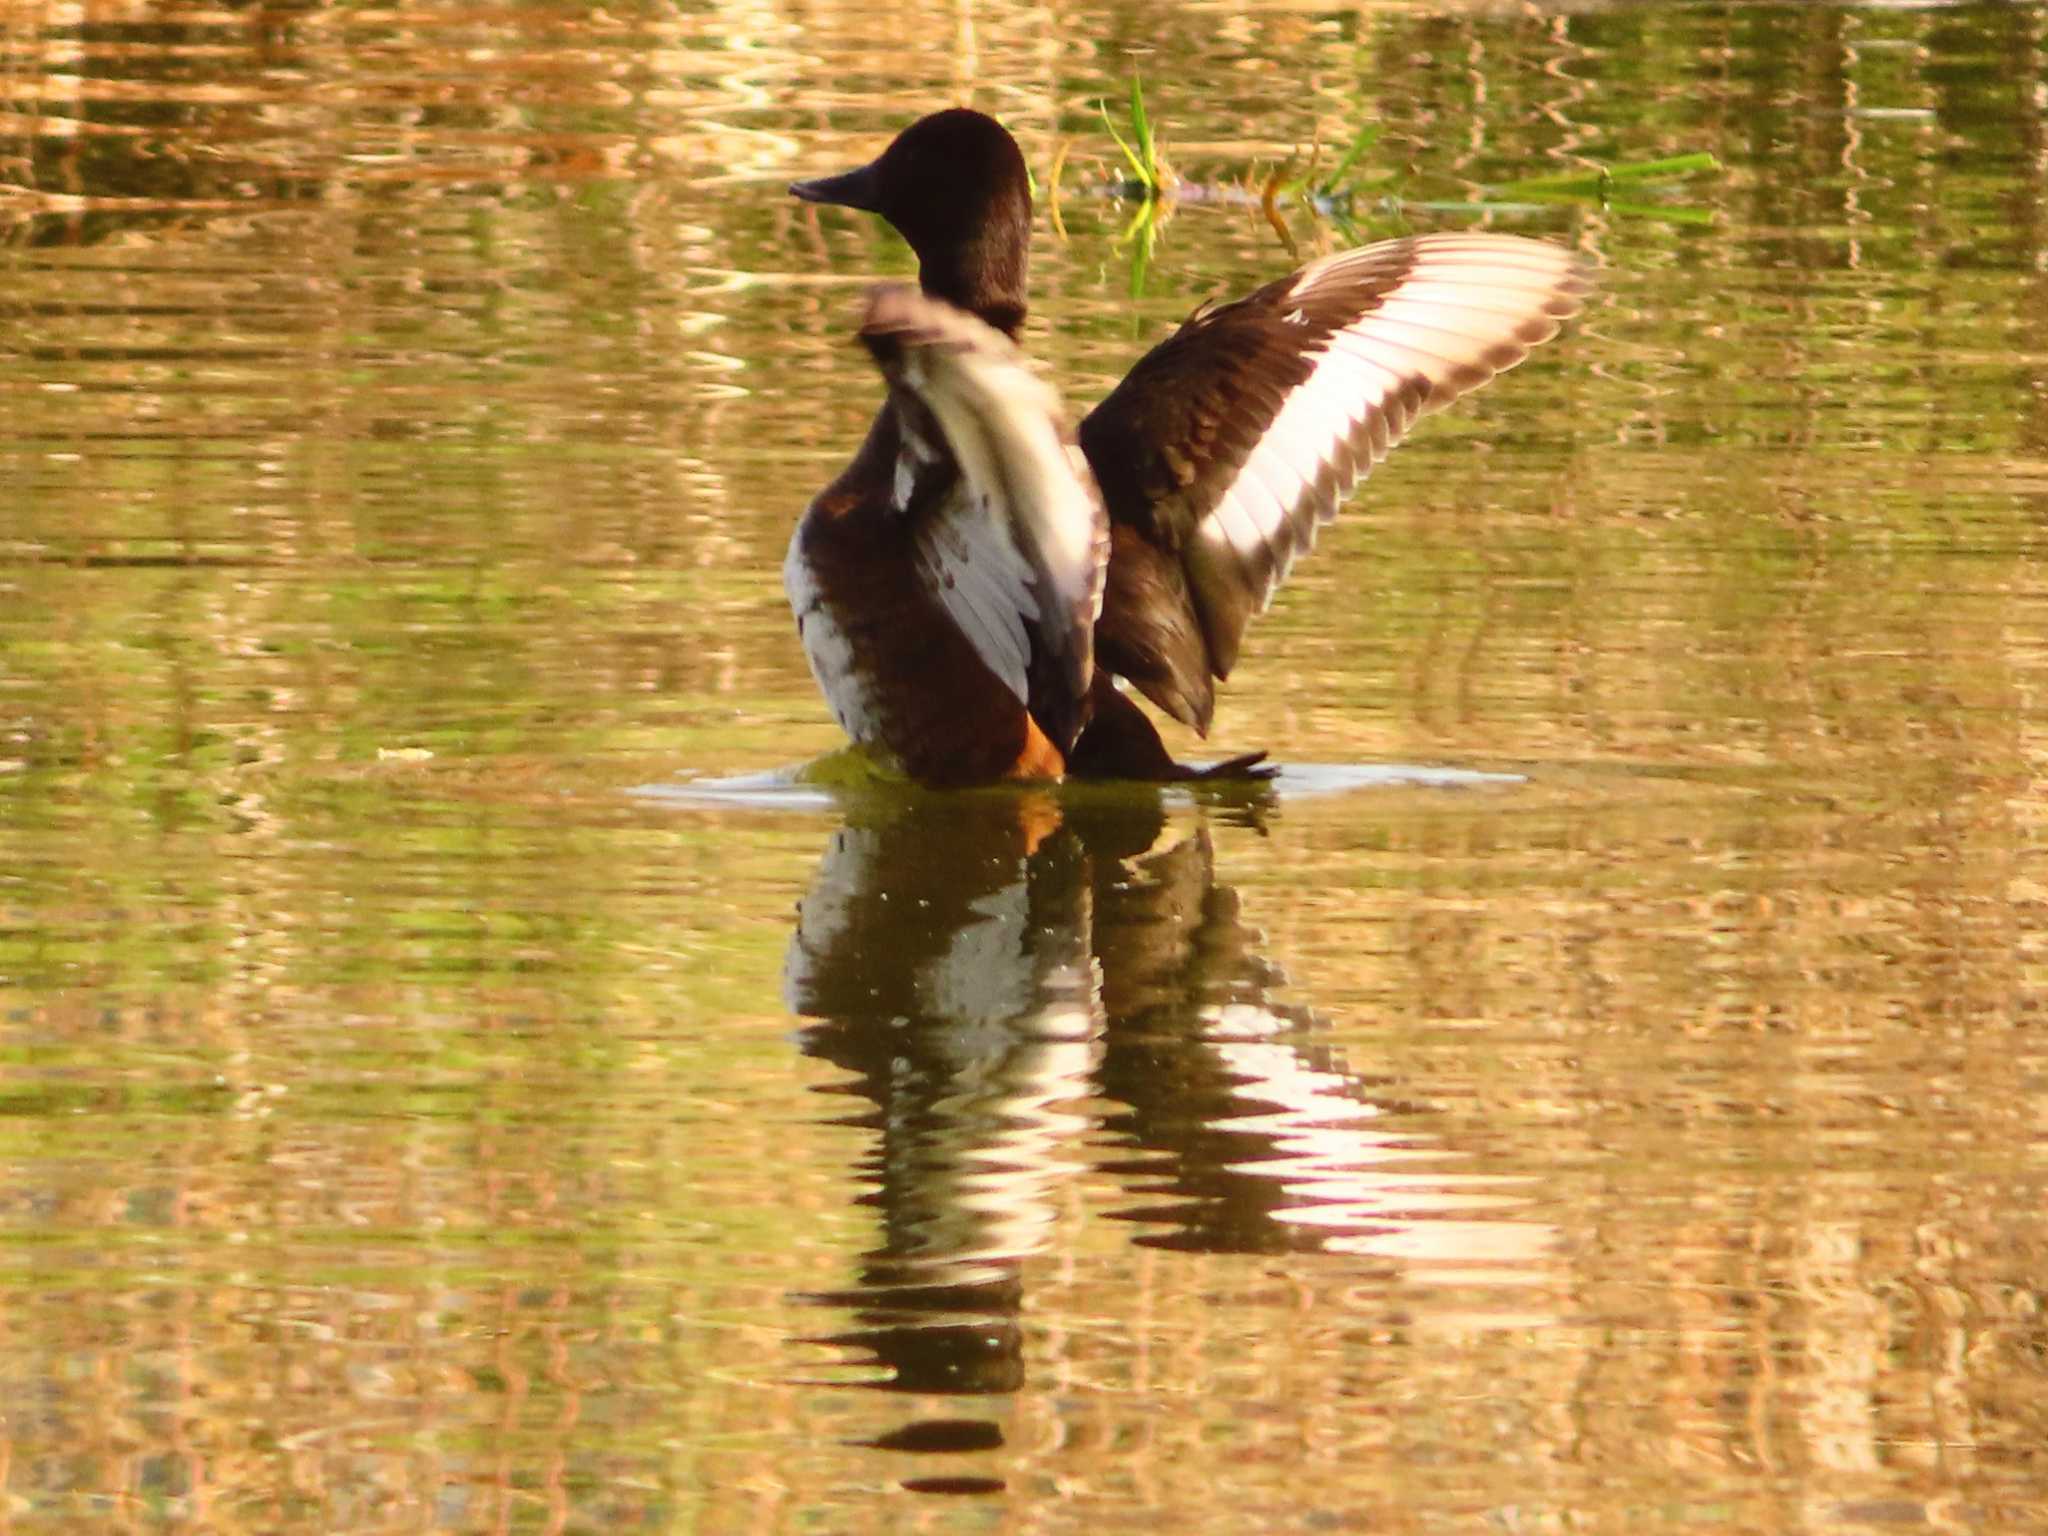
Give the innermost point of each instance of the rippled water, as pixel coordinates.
(429, 1107)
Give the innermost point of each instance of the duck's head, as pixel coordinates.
(954, 185)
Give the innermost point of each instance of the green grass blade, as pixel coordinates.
(1365, 139)
(1141, 130)
(1594, 182)
(1130, 156)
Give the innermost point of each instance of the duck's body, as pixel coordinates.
(967, 587)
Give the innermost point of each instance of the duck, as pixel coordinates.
(984, 588)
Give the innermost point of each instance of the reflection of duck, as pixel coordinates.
(943, 950)
(944, 947)
(1022, 985)
(968, 585)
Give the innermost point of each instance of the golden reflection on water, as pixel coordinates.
(402, 413)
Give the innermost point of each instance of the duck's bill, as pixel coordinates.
(853, 189)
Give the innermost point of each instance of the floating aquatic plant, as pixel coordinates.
(1337, 184)
(1344, 195)
(1601, 180)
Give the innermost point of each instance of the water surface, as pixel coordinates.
(411, 1125)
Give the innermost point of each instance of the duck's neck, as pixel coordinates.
(985, 277)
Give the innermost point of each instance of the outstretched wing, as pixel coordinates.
(1227, 447)
(1010, 535)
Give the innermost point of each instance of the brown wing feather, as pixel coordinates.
(1230, 443)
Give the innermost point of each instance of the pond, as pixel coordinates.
(455, 1080)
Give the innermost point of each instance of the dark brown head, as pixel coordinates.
(954, 185)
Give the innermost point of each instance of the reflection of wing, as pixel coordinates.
(1251, 1134)
(1231, 442)
(1352, 1182)
(1015, 548)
